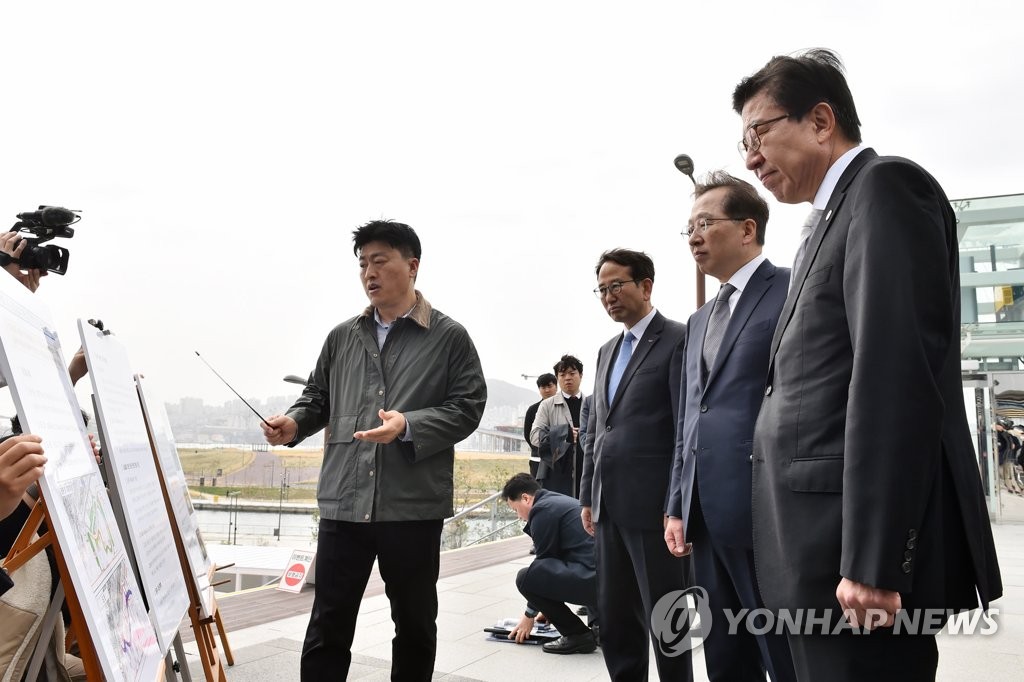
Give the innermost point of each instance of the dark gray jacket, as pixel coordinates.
(565, 563)
(429, 371)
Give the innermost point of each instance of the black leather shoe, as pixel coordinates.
(582, 643)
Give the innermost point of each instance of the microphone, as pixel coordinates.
(49, 216)
(684, 164)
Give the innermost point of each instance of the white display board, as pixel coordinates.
(177, 491)
(126, 446)
(80, 514)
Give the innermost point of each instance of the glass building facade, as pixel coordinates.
(991, 236)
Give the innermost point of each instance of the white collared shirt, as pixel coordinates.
(638, 329)
(828, 184)
(741, 278)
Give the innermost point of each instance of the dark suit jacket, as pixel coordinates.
(627, 460)
(863, 462)
(531, 414)
(565, 563)
(715, 430)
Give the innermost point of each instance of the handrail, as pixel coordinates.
(493, 532)
(473, 508)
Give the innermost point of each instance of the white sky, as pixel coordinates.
(222, 153)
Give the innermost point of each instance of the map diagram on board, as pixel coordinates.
(83, 498)
(127, 621)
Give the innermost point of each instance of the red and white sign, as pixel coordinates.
(299, 571)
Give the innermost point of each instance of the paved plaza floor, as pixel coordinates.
(474, 599)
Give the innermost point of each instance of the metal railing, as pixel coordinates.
(469, 526)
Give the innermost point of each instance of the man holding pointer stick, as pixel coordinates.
(398, 385)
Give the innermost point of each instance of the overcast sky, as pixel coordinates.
(222, 153)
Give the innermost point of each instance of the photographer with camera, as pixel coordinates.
(13, 245)
(22, 460)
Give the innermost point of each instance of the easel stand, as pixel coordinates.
(25, 548)
(201, 626)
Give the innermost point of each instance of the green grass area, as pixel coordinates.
(475, 477)
(206, 462)
(258, 493)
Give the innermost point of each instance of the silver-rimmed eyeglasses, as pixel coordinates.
(702, 225)
(751, 141)
(614, 288)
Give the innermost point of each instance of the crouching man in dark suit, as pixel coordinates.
(564, 570)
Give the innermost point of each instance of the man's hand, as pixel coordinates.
(13, 244)
(588, 521)
(674, 537)
(867, 607)
(282, 430)
(77, 367)
(95, 448)
(21, 465)
(522, 631)
(392, 427)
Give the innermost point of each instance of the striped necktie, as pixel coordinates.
(805, 236)
(716, 327)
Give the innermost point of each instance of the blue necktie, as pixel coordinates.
(619, 368)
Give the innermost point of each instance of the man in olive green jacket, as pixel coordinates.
(397, 386)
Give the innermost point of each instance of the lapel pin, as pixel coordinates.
(828, 215)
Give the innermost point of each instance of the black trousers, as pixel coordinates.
(634, 571)
(727, 573)
(544, 595)
(408, 556)
(879, 656)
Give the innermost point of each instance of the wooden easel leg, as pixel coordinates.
(207, 646)
(223, 636)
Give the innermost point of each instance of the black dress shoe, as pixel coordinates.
(583, 643)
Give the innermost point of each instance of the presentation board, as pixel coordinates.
(126, 447)
(80, 514)
(177, 492)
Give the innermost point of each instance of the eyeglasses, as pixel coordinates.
(614, 288)
(751, 141)
(704, 223)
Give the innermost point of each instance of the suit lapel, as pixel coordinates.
(640, 352)
(827, 217)
(752, 294)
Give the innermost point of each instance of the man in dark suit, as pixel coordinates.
(866, 493)
(626, 468)
(564, 570)
(546, 386)
(722, 385)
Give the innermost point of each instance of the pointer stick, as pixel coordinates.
(233, 390)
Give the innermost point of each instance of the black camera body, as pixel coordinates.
(47, 223)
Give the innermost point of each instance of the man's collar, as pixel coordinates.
(741, 277)
(835, 171)
(419, 313)
(638, 329)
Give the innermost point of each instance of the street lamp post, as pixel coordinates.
(233, 516)
(684, 164)
(280, 504)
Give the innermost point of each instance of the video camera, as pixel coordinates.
(46, 223)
